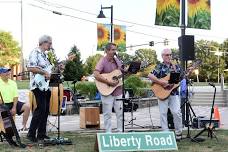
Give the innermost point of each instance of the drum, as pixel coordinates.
(53, 100)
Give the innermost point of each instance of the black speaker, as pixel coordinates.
(186, 47)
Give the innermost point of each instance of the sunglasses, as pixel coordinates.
(167, 54)
(48, 42)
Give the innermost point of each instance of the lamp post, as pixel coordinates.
(197, 75)
(101, 15)
(218, 53)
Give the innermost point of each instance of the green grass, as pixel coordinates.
(84, 142)
(24, 84)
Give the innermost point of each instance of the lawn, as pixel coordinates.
(25, 84)
(84, 142)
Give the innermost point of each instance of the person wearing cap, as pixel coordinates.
(172, 101)
(9, 92)
(38, 64)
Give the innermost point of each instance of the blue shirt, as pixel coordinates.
(183, 88)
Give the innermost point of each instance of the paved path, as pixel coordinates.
(146, 117)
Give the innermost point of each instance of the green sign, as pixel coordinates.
(136, 141)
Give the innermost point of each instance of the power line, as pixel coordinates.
(59, 13)
(130, 22)
(74, 9)
(10, 1)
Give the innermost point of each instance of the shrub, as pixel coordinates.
(87, 89)
(134, 82)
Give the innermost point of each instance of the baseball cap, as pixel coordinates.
(4, 70)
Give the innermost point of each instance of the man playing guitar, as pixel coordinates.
(172, 101)
(39, 65)
(109, 64)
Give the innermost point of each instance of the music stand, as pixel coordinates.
(55, 81)
(174, 78)
(133, 69)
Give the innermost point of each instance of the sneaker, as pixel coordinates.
(178, 136)
(31, 138)
(43, 137)
(23, 130)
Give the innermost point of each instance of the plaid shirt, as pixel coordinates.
(161, 70)
(37, 59)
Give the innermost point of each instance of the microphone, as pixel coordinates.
(211, 84)
(51, 49)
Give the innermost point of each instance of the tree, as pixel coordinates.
(149, 57)
(90, 63)
(126, 58)
(74, 69)
(9, 50)
(205, 50)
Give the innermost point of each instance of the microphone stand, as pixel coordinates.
(59, 140)
(123, 92)
(209, 127)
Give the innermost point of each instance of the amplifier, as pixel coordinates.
(201, 122)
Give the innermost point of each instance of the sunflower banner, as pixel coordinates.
(103, 35)
(120, 37)
(168, 13)
(199, 14)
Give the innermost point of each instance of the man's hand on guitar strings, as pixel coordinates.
(164, 83)
(113, 83)
(47, 75)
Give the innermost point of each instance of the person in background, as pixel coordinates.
(9, 92)
(184, 95)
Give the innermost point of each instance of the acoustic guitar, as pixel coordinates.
(164, 92)
(105, 89)
(161, 92)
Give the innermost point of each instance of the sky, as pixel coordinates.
(78, 24)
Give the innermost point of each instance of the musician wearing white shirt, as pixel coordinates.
(39, 65)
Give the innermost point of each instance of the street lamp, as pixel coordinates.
(218, 53)
(101, 15)
(197, 74)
